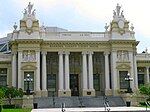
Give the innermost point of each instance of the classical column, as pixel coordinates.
(107, 77)
(61, 77)
(147, 74)
(90, 68)
(38, 73)
(19, 69)
(113, 71)
(84, 70)
(67, 71)
(14, 65)
(135, 72)
(132, 68)
(44, 75)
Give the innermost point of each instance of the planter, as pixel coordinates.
(128, 103)
(35, 105)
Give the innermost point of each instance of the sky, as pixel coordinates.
(79, 15)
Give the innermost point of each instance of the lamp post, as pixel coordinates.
(28, 80)
(128, 79)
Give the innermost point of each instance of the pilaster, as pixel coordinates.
(14, 70)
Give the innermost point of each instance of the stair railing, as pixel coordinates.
(106, 104)
(147, 104)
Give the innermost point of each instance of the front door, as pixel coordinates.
(74, 84)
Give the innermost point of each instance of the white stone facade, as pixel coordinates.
(67, 63)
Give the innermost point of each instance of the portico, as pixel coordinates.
(72, 63)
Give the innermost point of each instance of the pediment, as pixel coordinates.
(123, 66)
(28, 67)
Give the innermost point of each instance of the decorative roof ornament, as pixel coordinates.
(28, 11)
(15, 26)
(117, 13)
(132, 27)
(106, 27)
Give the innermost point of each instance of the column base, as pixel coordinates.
(44, 93)
(88, 92)
(38, 94)
(108, 92)
(115, 92)
(27, 101)
(64, 92)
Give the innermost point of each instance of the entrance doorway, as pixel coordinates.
(74, 84)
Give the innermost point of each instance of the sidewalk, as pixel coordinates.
(121, 109)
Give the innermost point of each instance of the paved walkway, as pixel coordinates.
(121, 109)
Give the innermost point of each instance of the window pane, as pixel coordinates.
(3, 76)
(51, 83)
(3, 80)
(96, 82)
(123, 83)
(140, 79)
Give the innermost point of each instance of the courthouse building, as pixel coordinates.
(72, 63)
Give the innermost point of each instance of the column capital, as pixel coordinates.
(90, 52)
(44, 52)
(106, 53)
(67, 52)
(37, 50)
(20, 50)
(84, 52)
(61, 52)
(13, 53)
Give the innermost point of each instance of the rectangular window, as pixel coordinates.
(30, 79)
(122, 76)
(96, 82)
(140, 79)
(3, 76)
(51, 82)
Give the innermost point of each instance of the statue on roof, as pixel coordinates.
(118, 9)
(30, 6)
(28, 11)
(118, 12)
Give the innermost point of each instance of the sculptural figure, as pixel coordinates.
(118, 9)
(29, 7)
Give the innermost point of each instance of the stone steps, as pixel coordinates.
(73, 102)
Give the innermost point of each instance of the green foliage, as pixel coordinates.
(2, 95)
(145, 89)
(17, 110)
(11, 92)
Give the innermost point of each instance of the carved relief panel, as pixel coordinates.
(122, 55)
(29, 55)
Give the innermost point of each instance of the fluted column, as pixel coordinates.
(84, 70)
(147, 74)
(44, 75)
(67, 71)
(14, 73)
(107, 77)
(19, 69)
(61, 77)
(135, 72)
(38, 73)
(90, 67)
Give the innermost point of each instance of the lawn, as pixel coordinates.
(17, 110)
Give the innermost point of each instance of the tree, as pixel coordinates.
(11, 92)
(145, 89)
(2, 95)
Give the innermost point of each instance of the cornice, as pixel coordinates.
(18, 41)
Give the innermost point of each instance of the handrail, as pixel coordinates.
(147, 104)
(106, 104)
